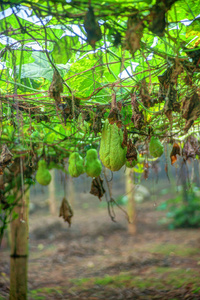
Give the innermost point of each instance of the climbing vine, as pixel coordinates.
(68, 69)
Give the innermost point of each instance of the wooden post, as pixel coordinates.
(19, 250)
(52, 195)
(131, 201)
(71, 191)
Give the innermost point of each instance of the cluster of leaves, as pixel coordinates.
(183, 214)
(67, 66)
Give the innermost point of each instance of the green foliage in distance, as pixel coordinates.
(183, 214)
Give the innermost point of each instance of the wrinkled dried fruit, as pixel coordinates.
(93, 165)
(97, 188)
(43, 175)
(76, 167)
(66, 211)
(56, 87)
(112, 155)
(92, 27)
(156, 149)
(175, 150)
(134, 33)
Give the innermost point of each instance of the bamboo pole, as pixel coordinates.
(52, 195)
(131, 201)
(71, 190)
(19, 249)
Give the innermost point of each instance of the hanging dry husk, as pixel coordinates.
(97, 188)
(132, 153)
(56, 87)
(191, 110)
(134, 34)
(176, 150)
(92, 27)
(66, 211)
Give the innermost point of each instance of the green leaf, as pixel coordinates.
(61, 129)
(39, 68)
(193, 28)
(62, 50)
(49, 138)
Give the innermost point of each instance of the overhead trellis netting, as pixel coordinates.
(68, 67)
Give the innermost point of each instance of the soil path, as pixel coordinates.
(97, 258)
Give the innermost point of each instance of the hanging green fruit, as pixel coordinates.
(112, 154)
(156, 149)
(93, 165)
(76, 167)
(43, 175)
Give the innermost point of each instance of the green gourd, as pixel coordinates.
(76, 167)
(112, 154)
(43, 175)
(93, 165)
(156, 149)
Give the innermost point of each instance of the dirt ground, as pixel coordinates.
(98, 259)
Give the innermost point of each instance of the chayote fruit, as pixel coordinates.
(93, 165)
(76, 167)
(156, 149)
(43, 175)
(112, 155)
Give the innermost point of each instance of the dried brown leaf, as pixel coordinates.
(137, 116)
(144, 93)
(131, 152)
(97, 188)
(134, 34)
(56, 87)
(175, 150)
(92, 27)
(114, 115)
(191, 110)
(66, 211)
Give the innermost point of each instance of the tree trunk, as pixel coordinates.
(130, 191)
(19, 250)
(52, 195)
